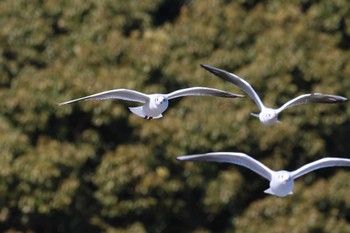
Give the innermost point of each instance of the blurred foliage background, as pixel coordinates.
(95, 167)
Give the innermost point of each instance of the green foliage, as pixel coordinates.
(95, 167)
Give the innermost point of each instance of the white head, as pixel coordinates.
(283, 177)
(159, 103)
(282, 183)
(268, 116)
(160, 100)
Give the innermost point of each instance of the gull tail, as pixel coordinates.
(138, 111)
(269, 191)
(159, 116)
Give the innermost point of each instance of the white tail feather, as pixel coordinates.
(159, 116)
(269, 191)
(137, 111)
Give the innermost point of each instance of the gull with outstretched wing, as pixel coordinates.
(154, 104)
(281, 182)
(269, 116)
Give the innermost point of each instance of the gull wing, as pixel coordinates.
(321, 163)
(235, 158)
(241, 83)
(123, 94)
(201, 91)
(313, 98)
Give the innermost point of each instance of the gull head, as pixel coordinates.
(161, 100)
(268, 116)
(281, 184)
(158, 104)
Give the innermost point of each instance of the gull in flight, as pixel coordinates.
(154, 104)
(281, 182)
(269, 116)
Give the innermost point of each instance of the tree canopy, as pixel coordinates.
(95, 167)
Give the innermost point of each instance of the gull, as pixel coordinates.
(281, 182)
(154, 104)
(269, 116)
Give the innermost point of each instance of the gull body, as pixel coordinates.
(281, 182)
(269, 116)
(153, 104)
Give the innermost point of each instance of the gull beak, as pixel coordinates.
(286, 181)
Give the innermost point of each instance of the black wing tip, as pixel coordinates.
(232, 96)
(208, 67)
(338, 99)
(332, 98)
(212, 69)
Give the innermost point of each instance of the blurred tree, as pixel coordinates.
(94, 167)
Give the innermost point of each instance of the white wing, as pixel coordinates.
(235, 158)
(322, 163)
(201, 91)
(241, 83)
(124, 94)
(313, 98)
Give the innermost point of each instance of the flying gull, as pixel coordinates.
(154, 104)
(281, 182)
(269, 116)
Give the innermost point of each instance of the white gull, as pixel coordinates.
(154, 104)
(281, 182)
(269, 116)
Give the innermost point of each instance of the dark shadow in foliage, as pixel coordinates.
(305, 5)
(56, 28)
(250, 4)
(167, 11)
(300, 82)
(315, 229)
(6, 68)
(111, 134)
(56, 221)
(340, 138)
(345, 37)
(165, 219)
(132, 25)
(73, 124)
(114, 133)
(170, 83)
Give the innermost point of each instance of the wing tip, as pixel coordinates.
(204, 65)
(239, 96)
(332, 98)
(181, 158)
(61, 104)
(230, 95)
(344, 99)
(211, 69)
